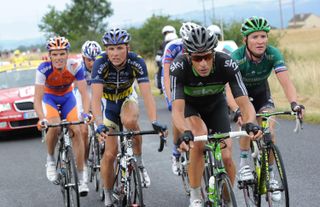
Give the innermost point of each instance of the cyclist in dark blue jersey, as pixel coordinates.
(113, 75)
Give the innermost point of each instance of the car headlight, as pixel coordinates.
(5, 107)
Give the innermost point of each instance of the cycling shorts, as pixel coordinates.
(215, 114)
(261, 98)
(112, 109)
(68, 106)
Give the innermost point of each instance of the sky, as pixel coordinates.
(19, 20)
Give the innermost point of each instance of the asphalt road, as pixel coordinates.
(23, 181)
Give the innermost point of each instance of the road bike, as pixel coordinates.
(269, 181)
(65, 164)
(216, 187)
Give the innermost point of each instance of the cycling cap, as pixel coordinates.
(58, 43)
(116, 36)
(186, 28)
(168, 28)
(254, 24)
(90, 49)
(170, 36)
(214, 29)
(200, 40)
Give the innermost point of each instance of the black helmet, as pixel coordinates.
(200, 40)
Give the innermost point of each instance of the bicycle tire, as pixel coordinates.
(135, 194)
(61, 169)
(207, 173)
(224, 186)
(96, 161)
(184, 173)
(281, 177)
(72, 187)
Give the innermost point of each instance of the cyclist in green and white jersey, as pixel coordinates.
(256, 60)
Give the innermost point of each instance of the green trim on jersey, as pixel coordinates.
(197, 91)
(255, 74)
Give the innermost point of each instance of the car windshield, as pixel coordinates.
(17, 78)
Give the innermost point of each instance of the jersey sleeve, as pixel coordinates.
(140, 68)
(234, 77)
(177, 68)
(99, 67)
(40, 73)
(279, 64)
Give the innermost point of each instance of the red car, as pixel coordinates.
(16, 96)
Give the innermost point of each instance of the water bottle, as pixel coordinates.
(211, 189)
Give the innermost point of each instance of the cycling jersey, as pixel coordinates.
(117, 83)
(187, 84)
(59, 82)
(256, 74)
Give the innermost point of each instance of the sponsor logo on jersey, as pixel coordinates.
(231, 63)
(176, 65)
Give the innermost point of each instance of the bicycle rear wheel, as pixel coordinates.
(184, 163)
(279, 191)
(225, 193)
(72, 188)
(134, 187)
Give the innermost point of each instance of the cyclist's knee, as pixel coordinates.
(109, 156)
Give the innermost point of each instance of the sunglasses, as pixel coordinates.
(199, 58)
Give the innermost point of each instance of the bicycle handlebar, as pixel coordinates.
(299, 121)
(163, 140)
(219, 136)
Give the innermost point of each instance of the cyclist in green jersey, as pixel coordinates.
(256, 60)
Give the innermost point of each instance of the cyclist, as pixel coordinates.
(89, 50)
(168, 29)
(172, 50)
(256, 60)
(113, 74)
(53, 87)
(198, 79)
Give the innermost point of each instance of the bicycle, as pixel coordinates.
(216, 187)
(127, 182)
(94, 158)
(65, 164)
(267, 182)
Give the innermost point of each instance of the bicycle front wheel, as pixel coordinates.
(71, 185)
(225, 193)
(134, 186)
(278, 185)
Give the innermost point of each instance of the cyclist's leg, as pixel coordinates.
(52, 115)
(196, 166)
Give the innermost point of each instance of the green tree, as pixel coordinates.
(80, 21)
(147, 39)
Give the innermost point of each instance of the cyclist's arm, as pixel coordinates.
(287, 86)
(166, 79)
(230, 99)
(148, 99)
(247, 110)
(82, 87)
(179, 121)
(97, 92)
(38, 95)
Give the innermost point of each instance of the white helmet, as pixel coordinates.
(170, 36)
(168, 28)
(186, 28)
(215, 30)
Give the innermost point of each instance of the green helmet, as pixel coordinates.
(254, 24)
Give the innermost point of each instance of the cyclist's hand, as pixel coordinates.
(101, 132)
(161, 129)
(298, 108)
(87, 118)
(237, 118)
(42, 124)
(185, 140)
(253, 130)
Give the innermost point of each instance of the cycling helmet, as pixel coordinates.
(116, 36)
(254, 24)
(200, 40)
(186, 28)
(170, 36)
(90, 49)
(168, 28)
(214, 29)
(58, 43)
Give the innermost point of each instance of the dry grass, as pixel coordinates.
(304, 45)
